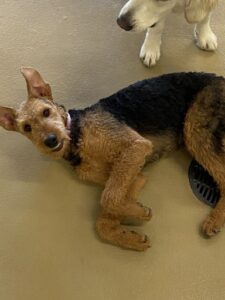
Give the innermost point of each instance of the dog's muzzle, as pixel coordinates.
(51, 140)
(124, 21)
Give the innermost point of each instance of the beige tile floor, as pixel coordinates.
(48, 246)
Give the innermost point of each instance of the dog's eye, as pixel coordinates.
(27, 128)
(46, 112)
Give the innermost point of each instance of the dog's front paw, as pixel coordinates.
(146, 214)
(130, 239)
(143, 214)
(150, 54)
(206, 40)
(213, 224)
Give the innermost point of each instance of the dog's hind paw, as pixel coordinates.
(213, 224)
(206, 40)
(150, 54)
(137, 219)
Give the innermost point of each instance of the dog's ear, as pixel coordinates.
(8, 118)
(36, 86)
(196, 10)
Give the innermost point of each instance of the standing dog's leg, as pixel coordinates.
(150, 50)
(204, 36)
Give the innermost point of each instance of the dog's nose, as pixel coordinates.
(124, 22)
(51, 140)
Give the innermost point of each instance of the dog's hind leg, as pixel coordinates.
(214, 164)
(204, 135)
(204, 36)
(150, 50)
(216, 219)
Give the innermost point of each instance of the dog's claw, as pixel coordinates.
(206, 40)
(135, 241)
(149, 55)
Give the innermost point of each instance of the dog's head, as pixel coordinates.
(39, 118)
(138, 15)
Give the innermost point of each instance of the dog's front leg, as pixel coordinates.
(93, 173)
(123, 173)
(134, 212)
(150, 50)
(115, 203)
(204, 36)
(110, 230)
(90, 172)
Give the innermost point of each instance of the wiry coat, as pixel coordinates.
(111, 140)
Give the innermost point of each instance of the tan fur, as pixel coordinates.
(31, 113)
(112, 155)
(197, 10)
(199, 143)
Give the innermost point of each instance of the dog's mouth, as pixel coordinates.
(58, 147)
(136, 27)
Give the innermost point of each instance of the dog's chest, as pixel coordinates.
(179, 7)
(96, 156)
(93, 169)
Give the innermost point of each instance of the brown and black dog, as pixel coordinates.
(109, 142)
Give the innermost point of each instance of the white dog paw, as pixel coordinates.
(206, 40)
(150, 55)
